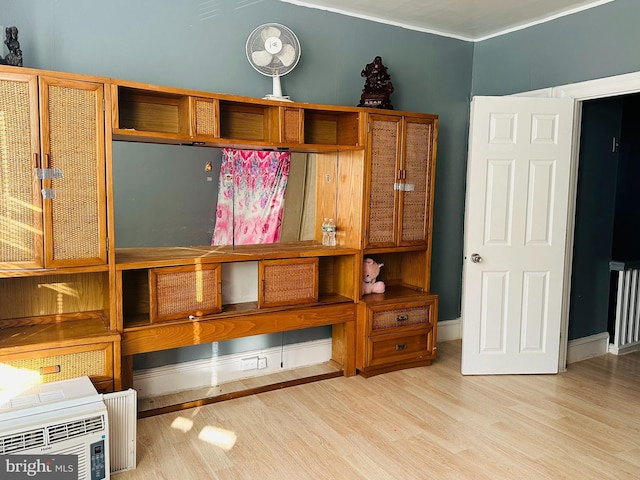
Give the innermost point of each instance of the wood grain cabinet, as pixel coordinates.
(396, 334)
(73, 304)
(54, 272)
(52, 172)
(400, 180)
(397, 329)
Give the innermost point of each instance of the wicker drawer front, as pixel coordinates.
(204, 117)
(43, 366)
(400, 317)
(386, 349)
(180, 292)
(288, 282)
(292, 125)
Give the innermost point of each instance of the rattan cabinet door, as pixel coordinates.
(415, 192)
(291, 281)
(20, 199)
(399, 181)
(72, 130)
(184, 292)
(384, 157)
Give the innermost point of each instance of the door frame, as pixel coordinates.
(588, 90)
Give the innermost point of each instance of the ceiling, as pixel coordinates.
(470, 20)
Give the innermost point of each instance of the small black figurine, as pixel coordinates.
(377, 86)
(14, 57)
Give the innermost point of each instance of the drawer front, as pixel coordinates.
(386, 318)
(179, 292)
(385, 349)
(292, 125)
(288, 282)
(43, 366)
(204, 111)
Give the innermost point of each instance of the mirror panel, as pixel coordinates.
(165, 195)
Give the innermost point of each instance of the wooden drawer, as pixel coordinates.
(386, 317)
(384, 349)
(181, 292)
(43, 366)
(287, 282)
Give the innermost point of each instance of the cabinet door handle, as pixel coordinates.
(402, 318)
(401, 346)
(49, 369)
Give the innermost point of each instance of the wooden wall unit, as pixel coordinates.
(54, 269)
(103, 305)
(149, 113)
(398, 211)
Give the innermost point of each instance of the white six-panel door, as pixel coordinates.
(518, 179)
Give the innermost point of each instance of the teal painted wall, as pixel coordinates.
(597, 43)
(200, 45)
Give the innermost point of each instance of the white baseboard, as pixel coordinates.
(587, 347)
(577, 350)
(624, 349)
(450, 330)
(217, 370)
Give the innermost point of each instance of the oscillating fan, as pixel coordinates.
(273, 50)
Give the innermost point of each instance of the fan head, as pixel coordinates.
(273, 50)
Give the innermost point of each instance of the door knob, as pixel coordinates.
(475, 258)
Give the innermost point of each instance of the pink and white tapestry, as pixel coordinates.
(251, 196)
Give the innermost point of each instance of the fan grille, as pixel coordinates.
(269, 64)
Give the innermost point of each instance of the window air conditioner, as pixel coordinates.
(67, 417)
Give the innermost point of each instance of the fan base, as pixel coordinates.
(277, 97)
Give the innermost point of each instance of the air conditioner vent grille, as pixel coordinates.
(77, 428)
(21, 441)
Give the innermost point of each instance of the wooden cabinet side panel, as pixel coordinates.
(350, 198)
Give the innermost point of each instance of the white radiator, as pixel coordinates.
(122, 410)
(626, 336)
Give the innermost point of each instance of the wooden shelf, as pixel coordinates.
(132, 258)
(394, 293)
(248, 121)
(55, 331)
(330, 127)
(41, 272)
(54, 298)
(150, 113)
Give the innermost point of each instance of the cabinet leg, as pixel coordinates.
(127, 372)
(344, 347)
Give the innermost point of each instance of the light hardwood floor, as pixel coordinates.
(421, 423)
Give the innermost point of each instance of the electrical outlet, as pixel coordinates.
(262, 362)
(250, 363)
